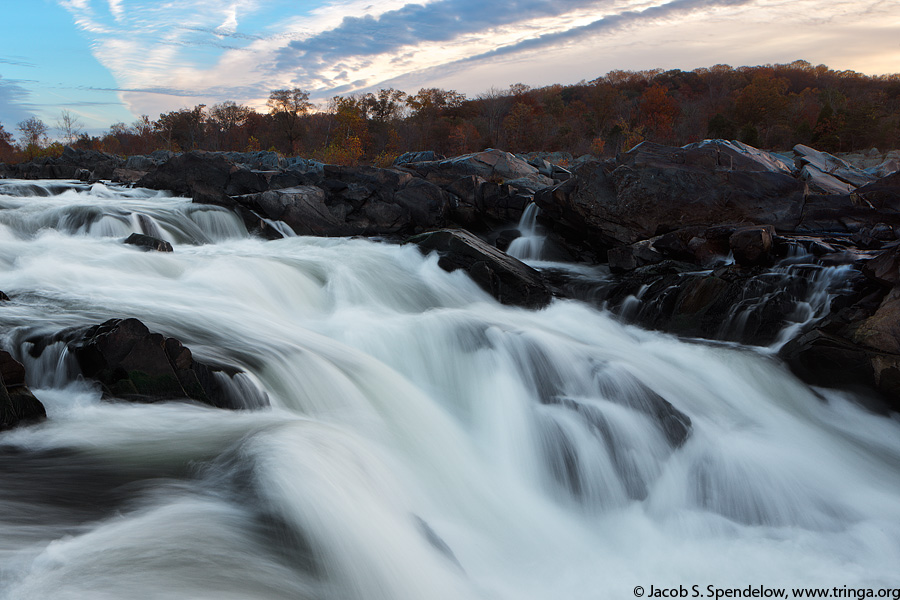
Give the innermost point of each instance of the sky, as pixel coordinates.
(111, 61)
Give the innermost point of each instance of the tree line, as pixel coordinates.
(768, 106)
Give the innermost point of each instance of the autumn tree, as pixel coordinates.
(182, 129)
(225, 120)
(761, 105)
(351, 134)
(430, 108)
(657, 113)
(34, 136)
(288, 107)
(7, 150)
(384, 109)
(494, 103)
(518, 126)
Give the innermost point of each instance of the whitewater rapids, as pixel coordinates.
(423, 441)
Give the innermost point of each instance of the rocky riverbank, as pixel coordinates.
(714, 240)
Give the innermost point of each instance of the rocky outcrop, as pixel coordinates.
(656, 189)
(132, 363)
(17, 404)
(206, 177)
(507, 279)
(490, 165)
(87, 165)
(865, 207)
(828, 174)
(355, 201)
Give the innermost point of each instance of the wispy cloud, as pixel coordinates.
(17, 62)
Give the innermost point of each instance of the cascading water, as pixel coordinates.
(423, 441)
(529, 245)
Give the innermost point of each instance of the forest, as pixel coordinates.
(768, 106)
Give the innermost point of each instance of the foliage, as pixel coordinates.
(769, 106)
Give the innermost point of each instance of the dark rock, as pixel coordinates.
(874, 237)
(884, 268)
(17, 404)
(202, 176)
(71, 164)
(427, 204)
(129, 176)
(491, 165)
(656, 189)
(875, 204)
(506, 237)
(752, 246)
(132, 363)
(507, 279)
(355, 201)
(633, 256)
(148, 242)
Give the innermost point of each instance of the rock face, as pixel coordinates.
(355, 201)
(655, 189)
(132, 363)
(872, 204)
(507, 279)
(17, 404)
(828, 174)
(206, 177)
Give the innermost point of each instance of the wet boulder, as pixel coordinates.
(132, 363)
(507, 279)
(148, 242)
(17, 404)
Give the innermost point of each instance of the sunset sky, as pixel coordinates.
(112, 60)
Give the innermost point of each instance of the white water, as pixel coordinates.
(424, 441)
(529, 246)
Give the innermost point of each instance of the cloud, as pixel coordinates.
(413, 24)
(16, 62)
(14, 105)
(653, 13)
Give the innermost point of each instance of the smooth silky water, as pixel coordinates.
(423, 441)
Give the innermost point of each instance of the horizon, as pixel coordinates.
(113, 60)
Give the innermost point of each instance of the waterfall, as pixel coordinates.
(530, 244)
(421, 440)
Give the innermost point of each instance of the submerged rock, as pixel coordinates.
(148, 242)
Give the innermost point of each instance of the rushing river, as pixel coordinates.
(422, 441)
